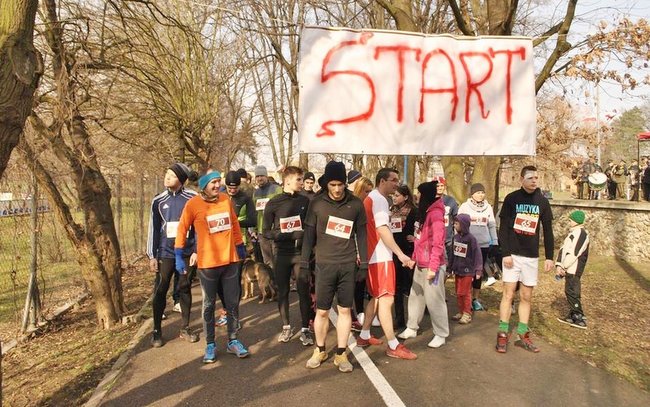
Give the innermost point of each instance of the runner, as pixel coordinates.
(220, 248)
(429, 278)
(381, 270)
(334, 219)
(166, 210)
(264, 192)
(284, 216)
(522, 212)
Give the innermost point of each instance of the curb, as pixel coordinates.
(106, 384)
(111, 377)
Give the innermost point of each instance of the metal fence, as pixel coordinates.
(57, 270)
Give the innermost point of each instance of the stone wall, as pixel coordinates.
(616, 228)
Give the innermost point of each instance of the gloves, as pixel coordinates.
(180, 261)
(241, 251)
(362, 273)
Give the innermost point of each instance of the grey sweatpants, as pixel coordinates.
(425, 292)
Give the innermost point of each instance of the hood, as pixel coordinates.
(464, 220)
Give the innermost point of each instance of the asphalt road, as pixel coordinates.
(466, 371)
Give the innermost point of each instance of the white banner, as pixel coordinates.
(388, 92)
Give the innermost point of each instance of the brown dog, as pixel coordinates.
(257, 272)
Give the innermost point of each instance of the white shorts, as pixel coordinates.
(524, 269)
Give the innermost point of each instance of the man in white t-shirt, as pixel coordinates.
(381, 269)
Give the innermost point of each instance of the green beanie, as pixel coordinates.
(578, 217)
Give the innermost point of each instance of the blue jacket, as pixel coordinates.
(166, 210)
(467, 259)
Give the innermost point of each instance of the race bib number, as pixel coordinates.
(460, 249)
(395, 225)
(261, 204)
(480, 221)
(525, 224)
(290, 224)
(170, 229)
(219, 222)
(339, 227)
(447, 210)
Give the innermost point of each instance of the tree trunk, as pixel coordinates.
(20, 68)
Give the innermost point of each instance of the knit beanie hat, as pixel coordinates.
(353, 175)
(309, 175)
(334, 171)
(578, 217)
(476, 188)
(260, 170)
(440, 179)
(233, 179)
(183, 172)
(242, 173)
(204, 180)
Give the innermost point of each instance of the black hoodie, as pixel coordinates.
(335, 238)
(521, 214)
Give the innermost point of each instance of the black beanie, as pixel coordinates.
(475, 188)
(183, 172)
(334, 171)
(309, 175)
(233, 179)
(242, 173)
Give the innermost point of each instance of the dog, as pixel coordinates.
(257, 272)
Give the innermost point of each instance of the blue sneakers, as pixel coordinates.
(477, 306)
(237, 348)
(210, 353)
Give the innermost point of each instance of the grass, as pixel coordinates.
(615, 295)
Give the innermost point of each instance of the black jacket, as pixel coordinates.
(327, 233)
(278, 226)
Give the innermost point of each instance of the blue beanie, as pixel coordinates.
(203, 181)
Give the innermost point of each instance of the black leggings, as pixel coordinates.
(284, 266)
(166, 270)
(476, 283)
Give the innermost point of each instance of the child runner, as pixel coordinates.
(570, 264)
(466, 264)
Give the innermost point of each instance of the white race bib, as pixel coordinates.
(460, 249)
(170, 229)
(395, 224)
(525, 224)
(261, 204)
(219, 222)
(339, 227)
(290, 224)
(480, 221)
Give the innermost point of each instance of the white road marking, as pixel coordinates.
(374, 375)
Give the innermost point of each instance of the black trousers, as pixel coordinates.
(166, 271)
(403, 282)
(572, 292)
(285, 265)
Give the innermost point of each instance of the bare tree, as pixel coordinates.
(20, 69)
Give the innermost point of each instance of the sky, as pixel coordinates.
(589, 13)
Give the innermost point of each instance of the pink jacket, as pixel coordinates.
(429, 249)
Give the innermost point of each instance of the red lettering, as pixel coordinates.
(400, 50)
(453, 90)
(325, 127)
(521, 52)
(473, 86)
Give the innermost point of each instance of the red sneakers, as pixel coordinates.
(367, 342)
(502, 342)
(401, 352)
(525, 342)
